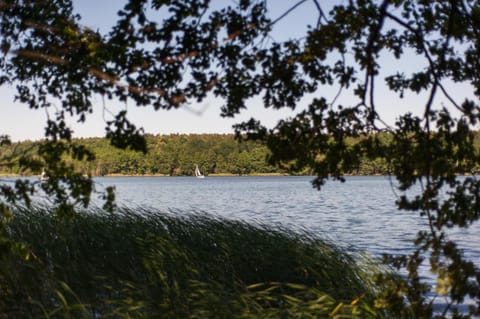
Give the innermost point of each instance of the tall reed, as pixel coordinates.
(142, 263)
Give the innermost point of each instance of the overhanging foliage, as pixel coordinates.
(197, 49)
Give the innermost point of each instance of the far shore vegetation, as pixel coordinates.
(177, 154)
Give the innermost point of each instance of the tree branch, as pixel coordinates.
(287, 12)
(369, 72)
(429, 59)
(321, 13)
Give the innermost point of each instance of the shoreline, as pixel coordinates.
(165, 175)
(3, 175)
(209, 175)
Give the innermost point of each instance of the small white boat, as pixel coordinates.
(44, 176)
(198, 174)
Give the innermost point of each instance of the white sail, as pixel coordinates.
(198, 174)
(44, 176)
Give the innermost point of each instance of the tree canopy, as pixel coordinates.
(197, 49)
(167, 155)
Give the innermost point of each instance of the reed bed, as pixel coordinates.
(142, 263)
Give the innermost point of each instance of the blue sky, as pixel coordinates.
(21, 123)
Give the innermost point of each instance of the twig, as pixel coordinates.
(321, 15)
(287, 12)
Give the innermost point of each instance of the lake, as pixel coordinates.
(359, 214)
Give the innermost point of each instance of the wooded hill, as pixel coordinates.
(174, 155)
(177, 154)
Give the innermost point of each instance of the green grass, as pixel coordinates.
(146, 264)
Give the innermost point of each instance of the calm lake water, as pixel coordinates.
(359, 214)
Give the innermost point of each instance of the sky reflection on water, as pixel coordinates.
(360, 213)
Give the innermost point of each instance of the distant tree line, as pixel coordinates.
(177, 155)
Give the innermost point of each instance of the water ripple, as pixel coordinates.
(359, 213)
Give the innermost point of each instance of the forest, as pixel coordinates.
(175, 155)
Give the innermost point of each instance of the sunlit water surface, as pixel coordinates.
(359, 213)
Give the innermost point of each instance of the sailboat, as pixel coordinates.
(44, 176)
(198, 174)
